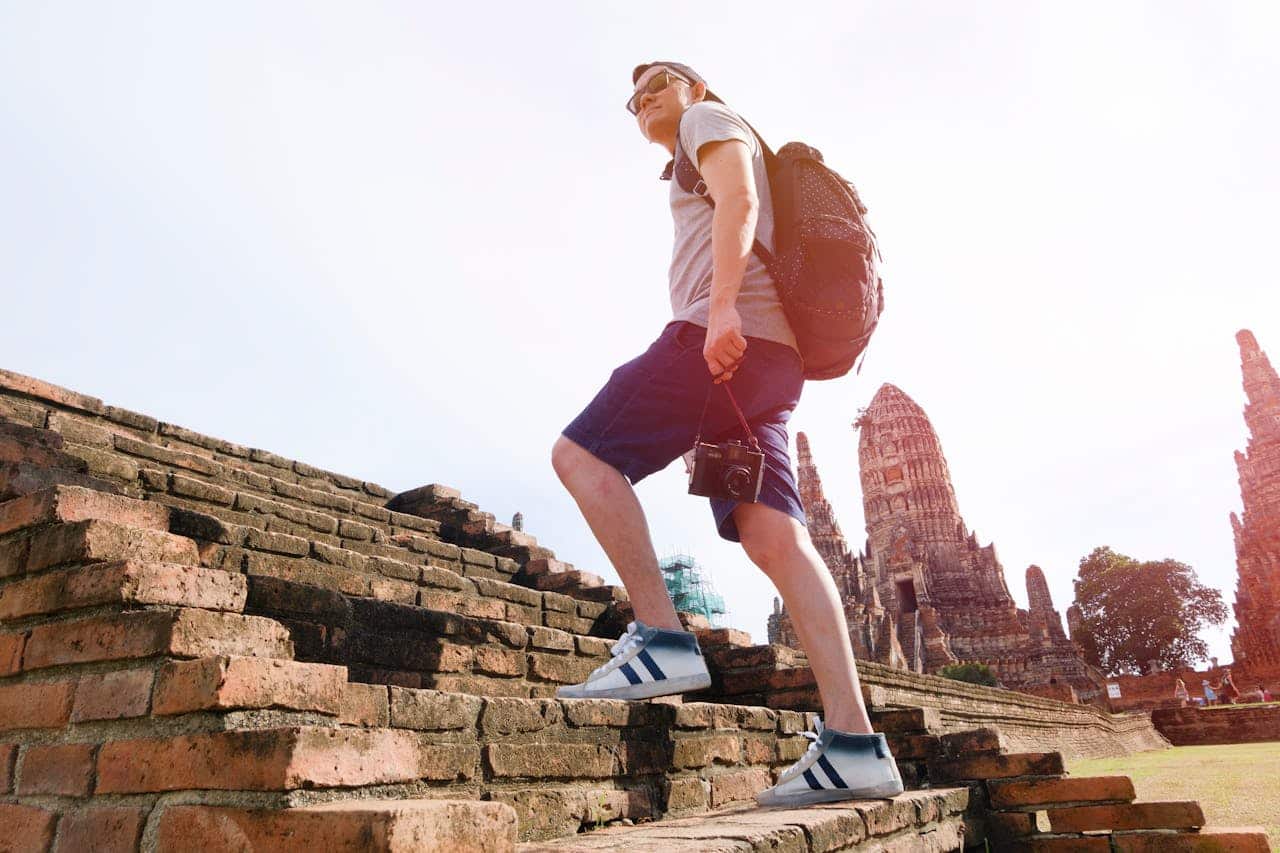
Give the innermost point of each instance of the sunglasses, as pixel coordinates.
(656, 84)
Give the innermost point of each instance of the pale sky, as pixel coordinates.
(408, 242)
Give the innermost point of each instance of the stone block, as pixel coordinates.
(702, 751)
(684, 794)
(961, 744)
(115, 829)
(345, 826)
(496, 660)
(58, 769)
(561, 669)
(733, 786)
(907, 720)
(225, 682)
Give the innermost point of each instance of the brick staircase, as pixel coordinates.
(205, 646)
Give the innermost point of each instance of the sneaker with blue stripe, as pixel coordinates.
(837, 766)
(646, 662)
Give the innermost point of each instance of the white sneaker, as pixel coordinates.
(646, 662)
(837, 766)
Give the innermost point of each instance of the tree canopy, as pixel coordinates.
(1132, 613)
(974, 673)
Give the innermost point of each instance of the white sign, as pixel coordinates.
(1113, 691)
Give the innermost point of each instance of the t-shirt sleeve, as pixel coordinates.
(708, 121)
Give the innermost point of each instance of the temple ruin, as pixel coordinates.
(924, 593)
(1255, 643)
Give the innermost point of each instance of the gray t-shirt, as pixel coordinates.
(691, 258)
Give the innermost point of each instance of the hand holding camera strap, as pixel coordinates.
(755, 445)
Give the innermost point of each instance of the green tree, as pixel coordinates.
(1132, 613)
(974, 673)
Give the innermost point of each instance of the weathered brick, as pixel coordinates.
(119, 583)
(737, 785)
(11, 646)
(614, 713)
(168, 456)
(364, 705)
(101, 541)
(549, 638)
(104, 463)
(13, 554)
(694, 752)
(550, 760)
(562, 669)
(506, 716)
(1037, 792)
(182, 633)
(685, 794)
(1210, 840)
(345, 826)
(907, 720)
(27, 828)
(430, 710)
(479, 685)
(112, 695)
(388, 589)
(65, 769)
(72, 503)
(270, 594)
(961, 744)
(225, 682)
(435, 576)
(278, 759)
(478, 558)
(279, 543)
(1171, 815)
(354, 530)
(352, 560)
(103, 830)
(8, 757)
(559, 603)
(40, 705)
(566, 622)
(997, 766)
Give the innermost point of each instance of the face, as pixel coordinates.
(659, 112)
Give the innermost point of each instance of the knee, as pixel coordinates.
(563, 457)
(771, 547)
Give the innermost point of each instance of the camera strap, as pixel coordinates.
(755, 445)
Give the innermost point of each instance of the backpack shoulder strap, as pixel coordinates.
(690, 180)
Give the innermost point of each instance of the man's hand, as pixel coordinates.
(725, 347)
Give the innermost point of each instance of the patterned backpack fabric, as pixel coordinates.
(825, 255)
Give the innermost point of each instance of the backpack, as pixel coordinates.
(825, 259)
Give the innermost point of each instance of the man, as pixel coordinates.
(728, 325)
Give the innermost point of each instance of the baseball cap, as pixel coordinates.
(681, 69)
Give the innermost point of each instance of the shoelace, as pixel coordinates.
(810, 754)
(618, 650)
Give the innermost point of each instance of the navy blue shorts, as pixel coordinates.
(646, 415)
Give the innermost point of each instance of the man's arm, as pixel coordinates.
(725, 166)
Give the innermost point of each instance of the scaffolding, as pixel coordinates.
(691, 588)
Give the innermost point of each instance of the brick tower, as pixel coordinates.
(1256, 641)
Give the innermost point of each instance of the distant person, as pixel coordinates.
(1230, 693)
(1210, 695)
(1180, 690)
(728, 323)
(1266, 694)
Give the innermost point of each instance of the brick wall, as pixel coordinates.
(1227, 724)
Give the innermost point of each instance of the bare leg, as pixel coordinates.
(613, 512)
(781, 547)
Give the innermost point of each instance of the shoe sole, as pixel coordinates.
(647, 690)
(831, 795)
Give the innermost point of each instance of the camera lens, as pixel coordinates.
(737, 481)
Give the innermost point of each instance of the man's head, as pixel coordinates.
(663, 91)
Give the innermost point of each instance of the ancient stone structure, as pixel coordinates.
(924, 593)
(1256, 641)
(206, 646)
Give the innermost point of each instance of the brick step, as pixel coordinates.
(1069, 791)
(35, 549)
(1210, 840)
(925, 821)
(346, 826)
(171, 632)
(127, 582)
(1123, 816)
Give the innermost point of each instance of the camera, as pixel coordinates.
(731, 470)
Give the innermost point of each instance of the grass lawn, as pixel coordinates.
(1237, 784)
